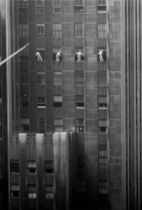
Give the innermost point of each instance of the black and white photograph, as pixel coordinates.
(70, 104)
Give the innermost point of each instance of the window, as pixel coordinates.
(78, 6)
(79, 55)
(57, 30)
(32, 191)
(49, 192)
(40, 29)
(101, 6)
(23, 6)
(58, 124)
(56, 6)
(32, 167)
(41, 78)
(80, 125)
(40, 54)
(79, 30)
(15, 191)
(57, 55)
(41, 102)
(41, 125)
(102, 56)
(103, 187)
(40, 11)
(102, 31)
(48, 166)
(23, 30)
(14, 166)
(103, 153)
(102, 102)
(58, 100)
(25, 99)
(25, 124)
(79, 77)
(79, 101)
(102, 125)
(39, 3)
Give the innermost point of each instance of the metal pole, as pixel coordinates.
(11, 56)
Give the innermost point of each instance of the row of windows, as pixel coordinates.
(102, 125)
(58, 56)
(57, 101)
(31, 167)
(58, 124)
(78, 57)
(79, 5)
(57, 30)
(32, 191)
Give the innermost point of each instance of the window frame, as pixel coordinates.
(102, 31)
(32, 191)
(79, 101)
(79, 30)
(56, 8)
(30, 166)
(101, 6)
(58, 101)
(41, 78)
(40, 29)
(42, 53)
(25, 124)
(80, 126)
(79, 7)
(23, 30)
(41, 124)
(12, 166)
(17, 189)
(57, 30)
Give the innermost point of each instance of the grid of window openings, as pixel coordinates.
(102, 108)
(32, 189)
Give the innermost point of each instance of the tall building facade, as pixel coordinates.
(78, 80)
